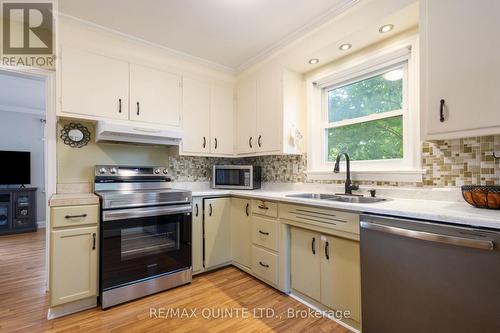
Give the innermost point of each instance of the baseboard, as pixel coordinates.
(314, 306)
(41, 224)
(72, 307)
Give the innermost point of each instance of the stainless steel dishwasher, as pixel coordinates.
(419, 276)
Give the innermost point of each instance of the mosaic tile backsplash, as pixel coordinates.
(447, 163)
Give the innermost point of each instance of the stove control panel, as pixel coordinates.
(130, 171)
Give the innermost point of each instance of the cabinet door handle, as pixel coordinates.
(263, 206)
(197, 210)
(204, 142)
(246, 209)
(209, 209)
(263, 265)
(313, 245)
(215, 143)
(93, 241)
(138, 108)
(327, 251)
(441, 110)
(75, 216)
(119, 105)
(250, 142)
(259, 141)
(263, 233)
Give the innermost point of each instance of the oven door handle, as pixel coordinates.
(122, 214)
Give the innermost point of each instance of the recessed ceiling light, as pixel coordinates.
(345, 47)
(313, 61)
(386, 28)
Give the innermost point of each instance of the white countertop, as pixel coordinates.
(442, 211)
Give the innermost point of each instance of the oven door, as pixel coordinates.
(140, 243)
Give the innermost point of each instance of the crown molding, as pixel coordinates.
(297, 34)
(170, 51)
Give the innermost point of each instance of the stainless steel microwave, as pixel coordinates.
(243, 177)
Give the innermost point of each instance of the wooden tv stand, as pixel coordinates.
(17, 210)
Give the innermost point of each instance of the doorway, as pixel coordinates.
(28, 124)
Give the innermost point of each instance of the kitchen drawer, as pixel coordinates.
(265, 208)
(71, 216)
(321, 219)
(265, 232)
(265, 265)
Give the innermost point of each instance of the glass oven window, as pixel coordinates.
(149, 240)
(133, 249)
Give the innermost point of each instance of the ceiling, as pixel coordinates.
(231, 33)
(23, 94)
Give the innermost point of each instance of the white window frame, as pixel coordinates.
(406, 169)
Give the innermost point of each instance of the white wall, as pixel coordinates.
(25, 132)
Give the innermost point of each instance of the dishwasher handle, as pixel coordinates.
(487, 245)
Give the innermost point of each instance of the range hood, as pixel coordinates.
(109, 131)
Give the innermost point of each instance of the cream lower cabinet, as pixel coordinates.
(217, 231)
(305, 264)
(197, 236)
(74, 249)
(327, 269)
(241, 232)
(74, 256)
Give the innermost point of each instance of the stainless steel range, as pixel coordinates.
(145, 233)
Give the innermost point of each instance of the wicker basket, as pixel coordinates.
(482, 196)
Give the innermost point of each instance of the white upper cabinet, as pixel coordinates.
(222, 119)
(195, 116)
(269, 112)
(460, 64)
(155, 96)
(246, 116)
(93, 85)
(207, 118)
(270, 108)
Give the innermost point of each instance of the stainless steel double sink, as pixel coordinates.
(336, 197)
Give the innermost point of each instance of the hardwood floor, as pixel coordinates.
(226, 293)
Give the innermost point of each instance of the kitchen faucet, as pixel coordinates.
(349, 186)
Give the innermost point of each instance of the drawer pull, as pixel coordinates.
(327, 251)
(263, 233)
(263, 207)
(93, 241)
(246, 209)
(75, 216)
(263, 265)
(313, 245)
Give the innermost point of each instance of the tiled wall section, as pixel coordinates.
(447, 163)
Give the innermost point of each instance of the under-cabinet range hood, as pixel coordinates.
(115, 131)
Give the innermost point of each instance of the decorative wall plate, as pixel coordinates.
(75, 135)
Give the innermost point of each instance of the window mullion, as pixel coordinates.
(372, 117)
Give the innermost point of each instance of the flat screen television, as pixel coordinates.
(15, 167)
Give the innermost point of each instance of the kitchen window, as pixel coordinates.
(368, 110)
(365, 116)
